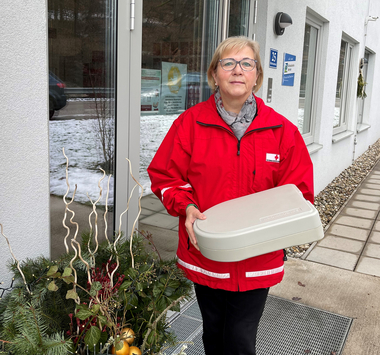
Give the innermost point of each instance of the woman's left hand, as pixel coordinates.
(192, 214)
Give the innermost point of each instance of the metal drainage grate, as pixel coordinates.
(291, 328)
(286, 328)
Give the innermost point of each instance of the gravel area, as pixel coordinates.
(329, 201)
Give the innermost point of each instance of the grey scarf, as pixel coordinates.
(238, 122)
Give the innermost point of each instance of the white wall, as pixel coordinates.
(24, 140)
(340, 16)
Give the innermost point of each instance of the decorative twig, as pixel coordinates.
(71, 219)
(73, 215)
(105, 213)
(96, 220)
(15, 259)
(138, 215)
(106, 226)
(66, 204)
(77, 301)
(83, 261)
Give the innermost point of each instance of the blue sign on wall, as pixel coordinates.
(288, 69)
(273, 58)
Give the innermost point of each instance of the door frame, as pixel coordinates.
(128, 98)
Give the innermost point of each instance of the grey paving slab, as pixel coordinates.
(151, 202)
(344, 244)
(372, 186)
(372, 250)
(369, 266)
(374, 237)
(376, 227)
(145, 212)
(369, 192)
(333, 257)
(373, 181)
(166, 241)
(366, 205)
(358, 212)
(354, 222)
(373, 177)
(161, 220)
(349, 232)
(369, 198)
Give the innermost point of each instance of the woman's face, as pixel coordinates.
(236, 85)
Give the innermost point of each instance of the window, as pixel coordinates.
(343, 86)
(362, 103)
(307, 96)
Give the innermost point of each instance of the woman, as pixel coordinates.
(226, 147)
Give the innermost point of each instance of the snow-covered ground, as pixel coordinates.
(152, 131)
(78, 138)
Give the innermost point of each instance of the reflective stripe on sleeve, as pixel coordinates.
(203, 271)
(265, 272)
(187, 186)
(163, 191)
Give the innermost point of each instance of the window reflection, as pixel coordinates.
(178, 38)
(81, 55)
(238, 20)
(339, 84)
(307, 79)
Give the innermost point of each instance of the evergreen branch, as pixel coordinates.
(154, 324)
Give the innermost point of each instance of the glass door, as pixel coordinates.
(178, 40)
(82, 50)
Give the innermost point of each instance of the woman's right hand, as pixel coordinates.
(192, 214)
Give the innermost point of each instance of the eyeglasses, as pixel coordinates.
(246, 64)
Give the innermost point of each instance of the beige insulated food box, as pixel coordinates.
(258, 224)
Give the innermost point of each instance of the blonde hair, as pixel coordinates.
(237, 43)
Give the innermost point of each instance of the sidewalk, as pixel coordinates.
(352, 240)
(340, 274)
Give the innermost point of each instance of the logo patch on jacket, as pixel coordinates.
(273, 158)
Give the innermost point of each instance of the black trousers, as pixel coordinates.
(230, 319)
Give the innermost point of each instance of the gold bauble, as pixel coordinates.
(128, 335)
(134, 350)
(123, 351)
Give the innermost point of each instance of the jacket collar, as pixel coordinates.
(266, 116)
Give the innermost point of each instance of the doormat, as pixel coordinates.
(286, 328)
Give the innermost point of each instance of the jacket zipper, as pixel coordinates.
(246, 133)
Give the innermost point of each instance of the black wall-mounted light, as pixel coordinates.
(281, 21)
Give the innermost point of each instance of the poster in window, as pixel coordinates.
(173, 88)
(150, 90)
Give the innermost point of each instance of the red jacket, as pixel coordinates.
(201, 161)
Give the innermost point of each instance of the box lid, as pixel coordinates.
(256, 218)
